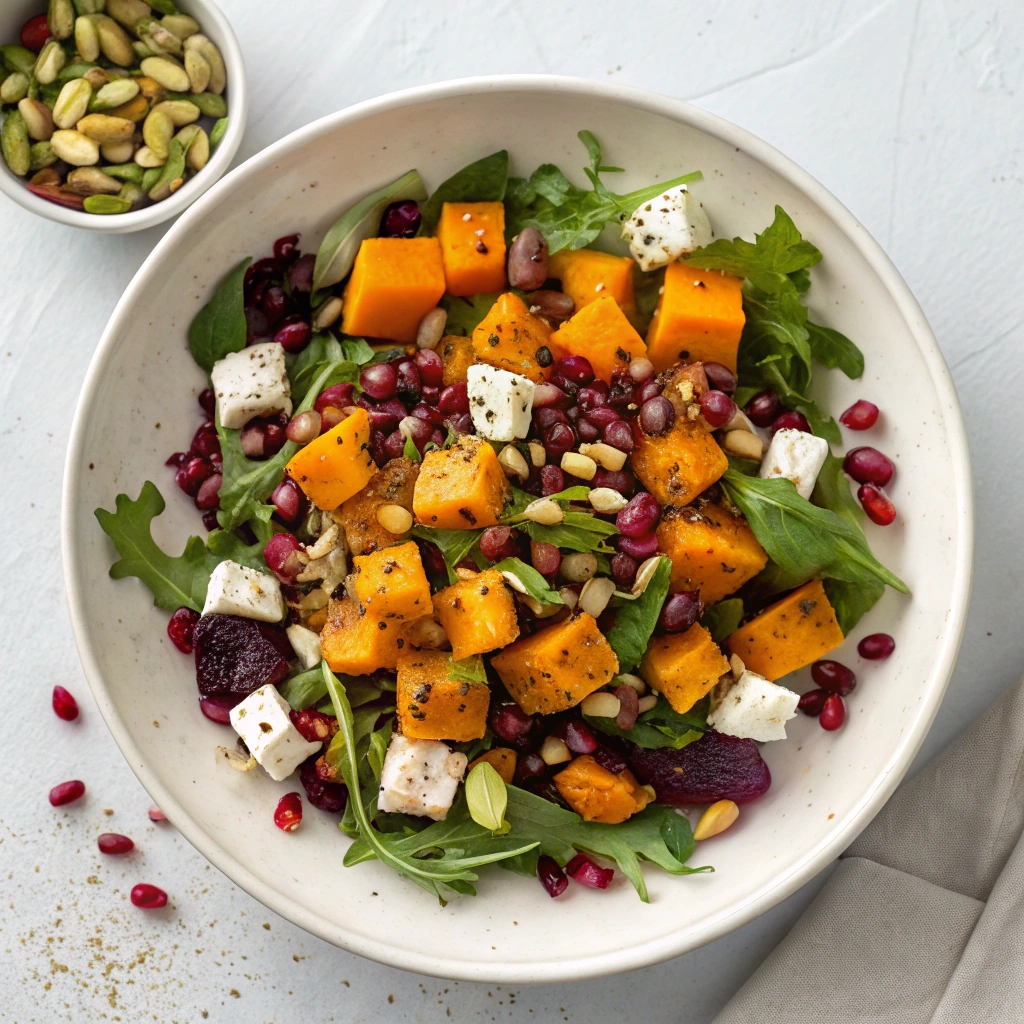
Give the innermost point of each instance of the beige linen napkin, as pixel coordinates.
(922, 922)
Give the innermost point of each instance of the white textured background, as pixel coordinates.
(909, 110)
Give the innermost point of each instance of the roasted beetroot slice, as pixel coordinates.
(715, 767)
(325, 796)
(235, 656)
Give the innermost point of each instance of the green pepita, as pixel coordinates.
(106, 205)
(126, 172)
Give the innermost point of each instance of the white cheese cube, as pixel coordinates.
(500, 402)
(306, 645)
(263, 722)
(666, 228)
(796, 456)
(253, 382)
(420, 777)
(753, 708)
(238, 590)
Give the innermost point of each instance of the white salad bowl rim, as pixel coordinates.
(689, 936)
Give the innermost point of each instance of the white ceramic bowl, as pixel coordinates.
(218, 28)
(138, 405)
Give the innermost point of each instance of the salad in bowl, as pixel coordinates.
(514, 537)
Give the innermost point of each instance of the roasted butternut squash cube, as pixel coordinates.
(557, 667)
(335, 465)
(457, 356)
(393, 484)
(712, 550)
(680, 464)
(597, 794)
(683, 667)
(391, 584)
(430, 706)
(512, 338)
(478, 614)
(395, 283)
(792, 633)
(501, 759)
(472, 237)
(460, 488)
(699, 318)
(356, 643)
(600, 332)
(588, 275)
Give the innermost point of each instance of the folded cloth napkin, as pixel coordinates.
(922, 921)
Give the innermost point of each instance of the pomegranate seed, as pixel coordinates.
(409, 380)
(876, 647)
(860, 416)
(603, 416)
(252, 440)
(717, 407)
(624, 568)
(379, 380)
(300, 274)
(430, 367)
(205, 441)
(559, 438)
(148, 897)
(812, 702)
(192, 474)
(589, 433)
(499, 542)
(790, 420)
(529, 768)
(763, 408)
(304, 427)
(579, 737)
(511, 723)
(641, 370)
(64, 705)
(274, 304)
(834, 677)
(394, 445)
(294, 336)
(680, 612)
(401, 220)
(639, 548)
(208, 401)
(833, 712)
(257, 326)
(618, 480)
(155, 814)
(180, 628)
(177, 460)
(880, 510)
(551, 876)
(576, 369)
(339, 395)
(114, 844)
(552, 480)
(287, 497)
(619, 435)
(657, 415)
(454, 399)
(546, 558)
(545, 395)
(288, 815)
(430, 393)
(419, 430)
(218, 709)
(868, 466)
(312, 725)
(281, 555)
(720, 377)
(208, 496)
(648, 390)
(640, 516)
(424, 411)
(34, 33)
(547, 416)
(67, 793)
(594, 396)
(583, 870)
(610, 760)
(285, 247)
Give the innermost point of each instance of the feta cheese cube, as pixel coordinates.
(263, 722)
(500, 402)
(796, 456)
(306, 645)
(420, 777)
(253, 382)
(753, 708)
(238, 590)
(666, 228)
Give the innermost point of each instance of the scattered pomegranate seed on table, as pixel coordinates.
(114, 844)
(148, 897)
(868, 466)
(833, 712)
(834, 677)
(876, 646)
(880, 510)
(860, 416)
(288, 814)
(64, 705)
(812, 702)
(67, 792)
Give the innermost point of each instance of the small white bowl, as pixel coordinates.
(138, 405)
(214, 24)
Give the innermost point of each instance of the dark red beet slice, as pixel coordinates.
(716, 767)
(326, 796)
(235, 656)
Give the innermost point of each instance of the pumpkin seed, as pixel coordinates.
(17, 58)
(14, 88)
(716, 819)
(114, 94)
(197, 69)
(72, 103)
(173, 170)
(600, 705)
(542, 510)
(91, 181)
(42, 156)
(150, 178)
(106, 204)
(212, 56)
(128, 12)
(115, 43)
(103, 128)
(217, 133)
(125, 172)
(512, 462)
(15, 145)
(75, 148)
(180, 24)
(552, 751)
(52, 59)
(38, 119)
(181, 112)
(596, 594)
(60, 19)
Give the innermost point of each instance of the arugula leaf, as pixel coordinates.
(579, 531)
(304, 689)
(522, 499)
(570, 217)
(536, 586)
(454, 545)
(483, 181)
(465, 313)
(467, 670)
(304, 368)
(803, 539)
(835, 350)
(357, 350)
(851, 601)
(832, 491)
(410, 451)
(723, 618)
(176, 581)
(219, 327)
(635, 620)
(661, 726)
(338, 250)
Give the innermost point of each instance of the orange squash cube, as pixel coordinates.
(356, 643)
(699, 318)
(681, 463)
(792, 633)
(391, 584)
(597, 794)
(457, 356)
(430, 706)
(335, 465)
(511, 338)
(588, 275)
(712, 550)
(472, 237)
(478, 614)
(683, 667)
(501, 759)
(601, 332)
(395, 283)
(391, 485)
(558, 666)
(460, 488)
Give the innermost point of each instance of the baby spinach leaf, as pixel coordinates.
(454, 545)
(357, 350)
(661, 726)
(483, 181)
(304, 368)
(578, 531)
(219, 327)
(723, 618)
(465, 314)
(835, 350)
(536, 586)
(635, 620)
(338, 250)
(851, 601)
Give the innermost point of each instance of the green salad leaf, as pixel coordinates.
(466, 312)
(536, 586)
(723, 618)
(661, 726)
(635, 620)
(322, 349)
(467, 670)
(487, 798)
(570, 217)
(483, 181)
(454, 545)
(219, 327)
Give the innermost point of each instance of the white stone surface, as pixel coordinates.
(901, 108)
